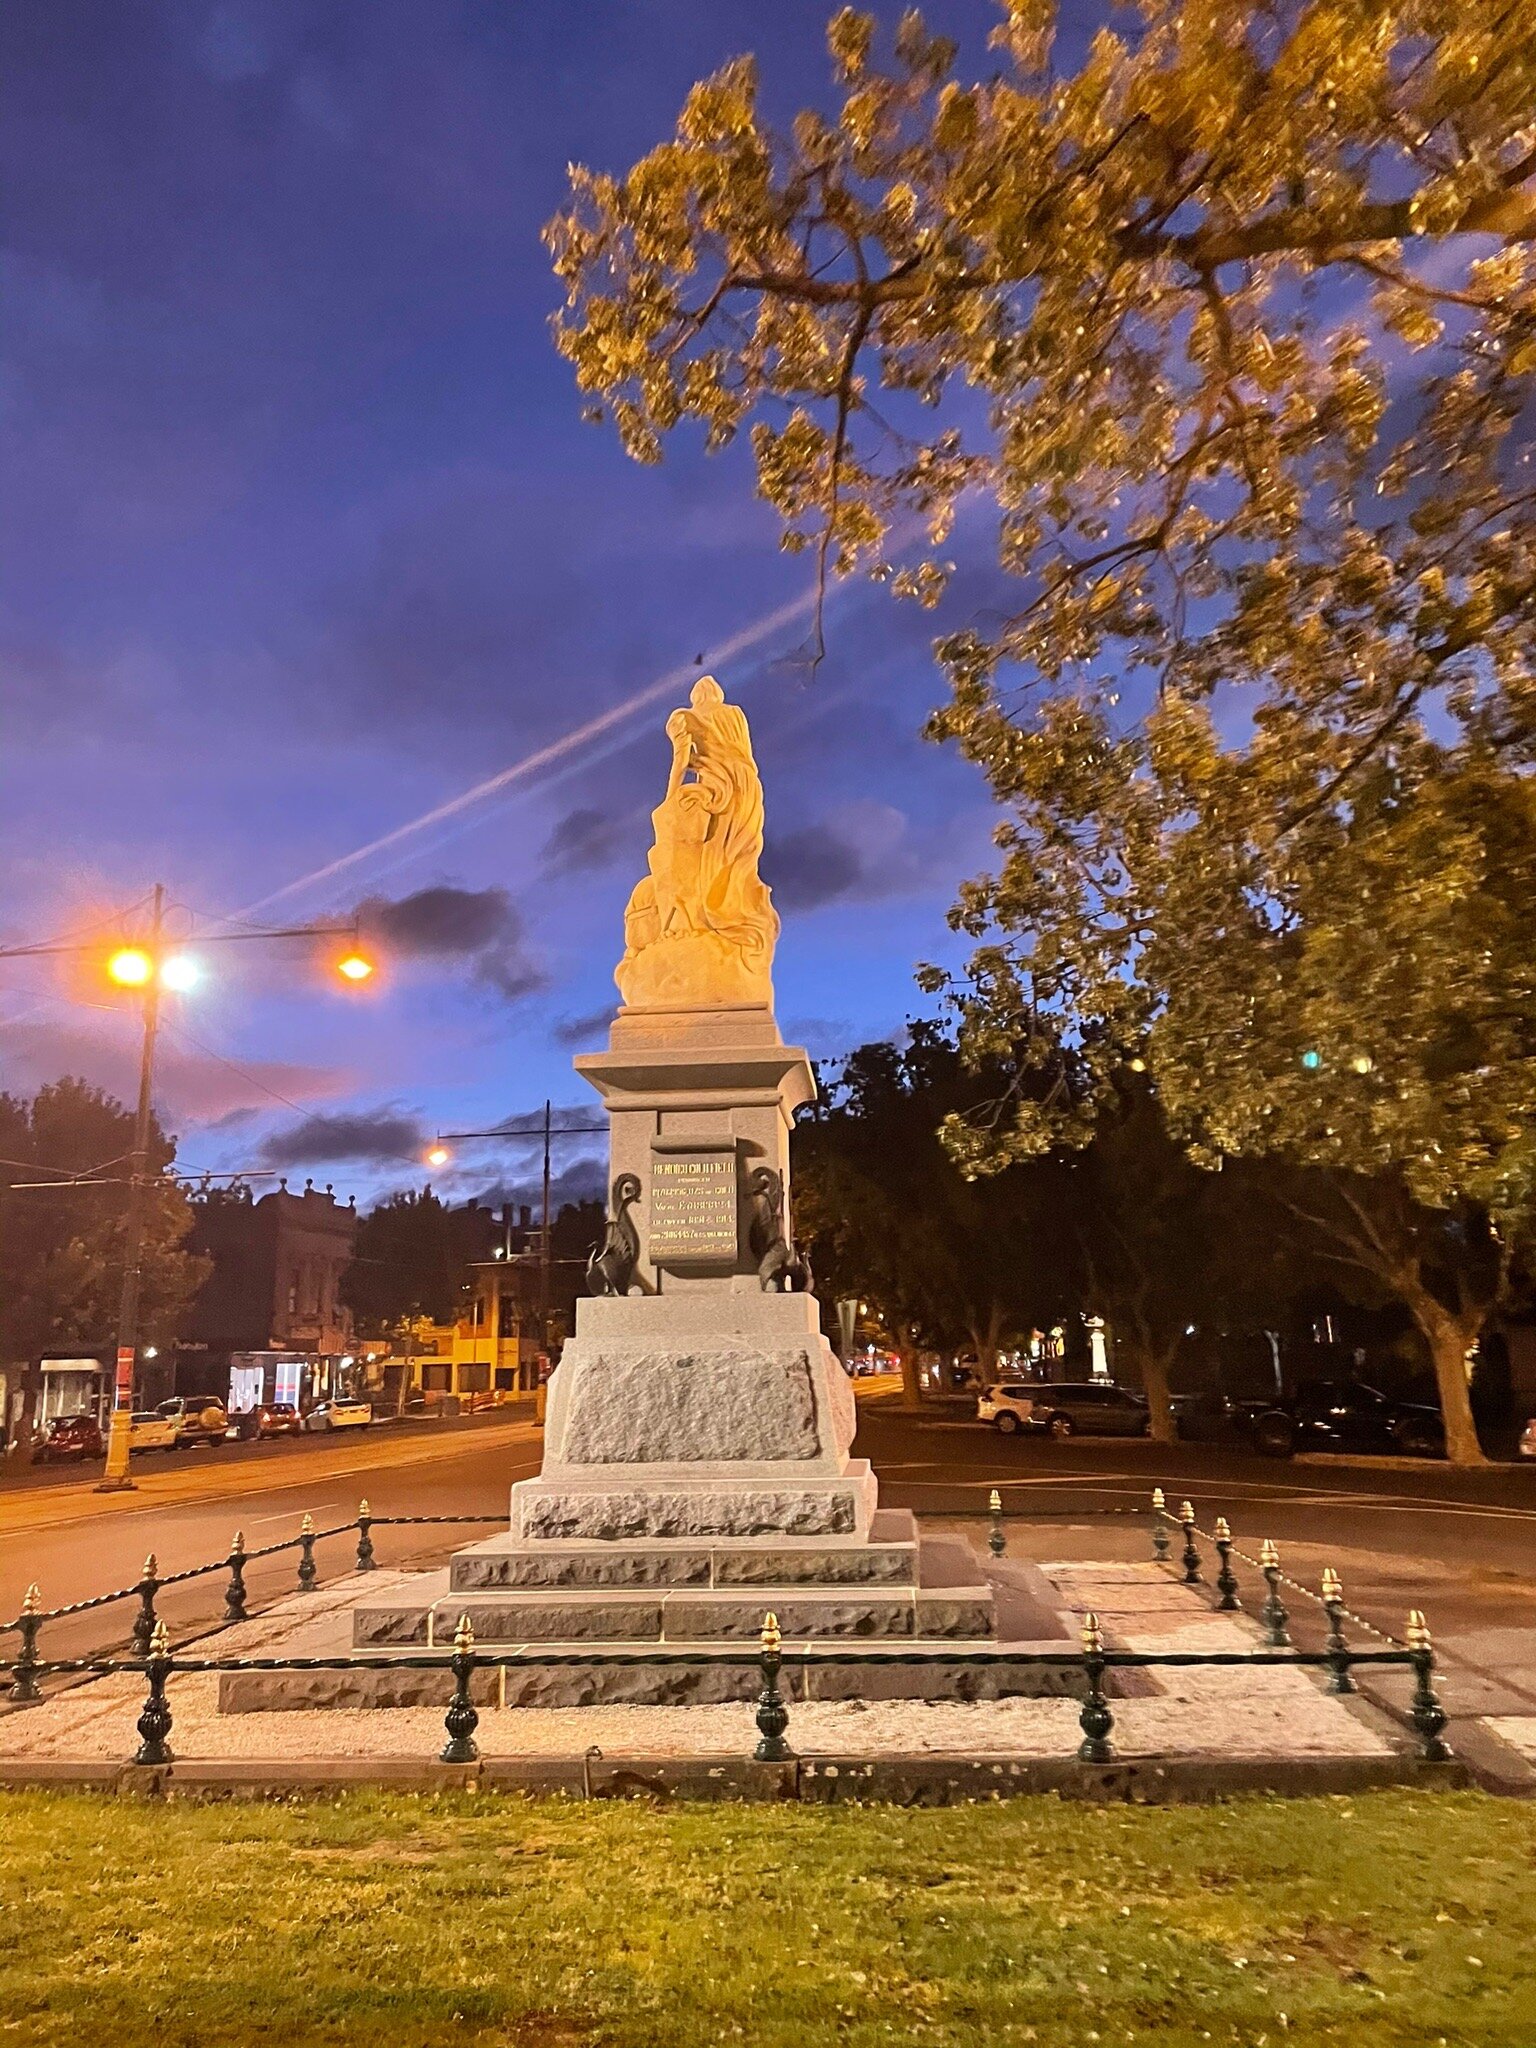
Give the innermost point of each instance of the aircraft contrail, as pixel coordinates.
(726, 650)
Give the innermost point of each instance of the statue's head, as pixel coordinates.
(706, 695)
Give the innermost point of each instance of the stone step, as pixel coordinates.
(501, 1563)
(627, 1677)
(673, 1614)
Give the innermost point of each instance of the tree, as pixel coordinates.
(886, 1214)
(410, 1260)
(61, 1248)
(1234, 327)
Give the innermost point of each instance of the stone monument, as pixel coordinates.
(697, 1465)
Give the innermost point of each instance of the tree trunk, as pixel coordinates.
(21, 1455)
(987, 1337)
(1154, 1367)
(1450, 1338)
(911, 1377)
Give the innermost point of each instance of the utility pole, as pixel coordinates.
(544, 1247)
(115, 1478)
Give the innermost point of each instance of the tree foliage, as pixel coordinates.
(1230, 328)
(61, 1249)
(950, 1262)
(411, 1259)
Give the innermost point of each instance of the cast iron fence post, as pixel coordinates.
(307, 1573)
(997, 1542)
(1226, 1578)
(24, 1687)
(234, 1598)
(772, 1714)
(144, 1620)
(1276, 1634)
(155, 1721)
(1337, 1649)
(461, 1719)
(1427, 1714)
(1159, 1525)
(1095, 1720)
(1191, 1558)
(365, 1561)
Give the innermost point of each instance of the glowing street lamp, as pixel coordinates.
(179, 971)
(439, 1155)
(354, 966)
(131, 967)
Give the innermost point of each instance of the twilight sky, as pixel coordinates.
(301, 536)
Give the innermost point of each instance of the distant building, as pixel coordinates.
(275, 1288)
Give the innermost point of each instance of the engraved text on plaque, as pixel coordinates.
(693, 1206)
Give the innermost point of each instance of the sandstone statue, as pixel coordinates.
(700, 928)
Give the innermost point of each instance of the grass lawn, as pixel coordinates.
(1391, 1918)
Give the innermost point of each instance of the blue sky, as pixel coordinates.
(301, 534)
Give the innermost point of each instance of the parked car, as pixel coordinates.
(1344, 1415)
(345, 1412)
(1528, 1439)
(1065, 1408)
(1091, 1408)
(199, 1419)
(1208, 1417)
(1009, 1407)
(278, 1418)
(70, 1438)
(149, 1431)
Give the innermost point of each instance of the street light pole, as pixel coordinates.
(544, 1245)
(115, 1478)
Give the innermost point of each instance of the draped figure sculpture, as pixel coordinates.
(700, 927)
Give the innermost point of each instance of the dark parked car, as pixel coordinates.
(70, 1437)
(1334, 1415)
(1211, 1418)
(1066, 1408)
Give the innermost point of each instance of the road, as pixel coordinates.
(1460, 1545)
(73, 1542)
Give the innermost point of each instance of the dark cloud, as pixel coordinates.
(585, 840)
(381, 1137)
(863, 852)
(583, 1180)
(810, 867)
(587, 1031)
(482, 927)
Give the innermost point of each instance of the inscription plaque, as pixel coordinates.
(693, 1206)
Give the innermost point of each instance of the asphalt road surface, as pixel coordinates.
(1460, 1545)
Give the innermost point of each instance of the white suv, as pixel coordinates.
(1009, 1407)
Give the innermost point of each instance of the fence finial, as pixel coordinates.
(307, 1526)
(1159, 1500)
(1333, 1585)
(1093, 1635)
(363, 1511)
(772, 1639)
(464, 1636)
(1269, 1555)
(32, 1599)
(1418, 1636)
(151, 1567)
(237, 1544)
(160, 1641)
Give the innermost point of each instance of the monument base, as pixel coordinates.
(696, 1477)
